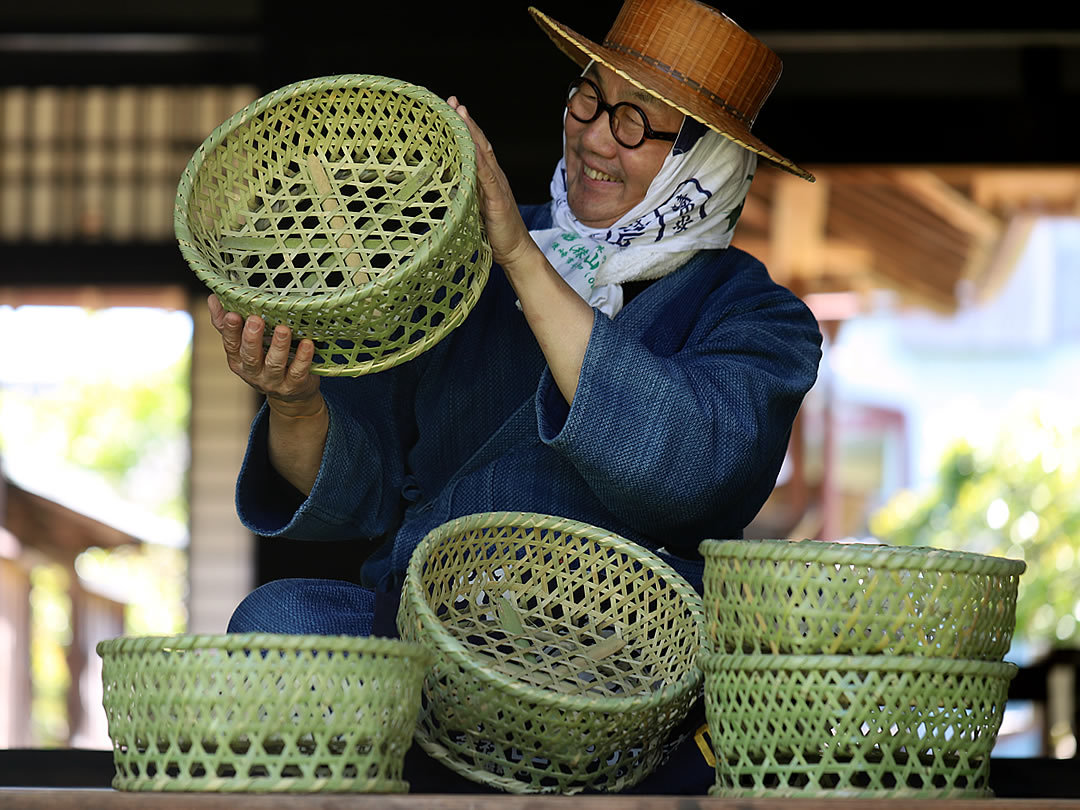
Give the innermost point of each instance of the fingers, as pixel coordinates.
(300, 368)
(493, 182)
(217, 312)
(277, 356)
(506, 231)
(228, 324)
(250, 349)
(478, 136)
(267, 369)
(276, 368)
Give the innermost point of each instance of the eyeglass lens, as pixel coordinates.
(628, 123)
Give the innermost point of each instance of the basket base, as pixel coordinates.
(227, 785)
(723, 792)
(509, 784)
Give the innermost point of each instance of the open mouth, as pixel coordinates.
(594, 174)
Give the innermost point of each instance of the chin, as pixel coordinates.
(590, 218)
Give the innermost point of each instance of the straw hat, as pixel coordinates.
(690, 56)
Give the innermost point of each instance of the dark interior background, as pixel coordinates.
(867, 83)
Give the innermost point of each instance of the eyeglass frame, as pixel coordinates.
(602, 106)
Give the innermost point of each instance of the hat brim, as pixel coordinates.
(665, 88)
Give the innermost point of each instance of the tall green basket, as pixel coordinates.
(261, 713)
(346, 208)
(564, 654)
(819, 597)
(837, 726)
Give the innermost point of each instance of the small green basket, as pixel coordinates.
(565, 654)
(818, 597)
(853, 726)
(346, 208)
(261, 713)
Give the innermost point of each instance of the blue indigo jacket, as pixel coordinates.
(677, 430)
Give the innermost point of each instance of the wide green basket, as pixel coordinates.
(564, 654)
(818, 597)
(853, 726)
(261, 712)
(345, 207)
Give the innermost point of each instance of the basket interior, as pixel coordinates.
(325, 189)
(560, 612)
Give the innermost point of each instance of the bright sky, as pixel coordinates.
(43, 344)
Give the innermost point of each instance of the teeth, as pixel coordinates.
(595, 175)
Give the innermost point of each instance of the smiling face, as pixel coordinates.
(603, 179)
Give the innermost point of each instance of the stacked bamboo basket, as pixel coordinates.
(854, 670)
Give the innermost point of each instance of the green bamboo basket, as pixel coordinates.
(346, 208)
(261, 713)
(853, 726)
(818, 597)
(564, 654)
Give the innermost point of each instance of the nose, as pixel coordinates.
(597, 136)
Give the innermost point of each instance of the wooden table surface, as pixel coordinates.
(92, 799)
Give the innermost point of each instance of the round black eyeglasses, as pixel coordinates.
(629, 125)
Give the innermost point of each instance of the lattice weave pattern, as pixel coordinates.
(346, 208)
(813, 596)
(565, 655)
(261, 713)
(853, 726)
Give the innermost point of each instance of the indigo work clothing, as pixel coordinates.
(677, 430)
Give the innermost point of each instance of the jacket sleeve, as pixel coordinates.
(358, 487)
(689, 430)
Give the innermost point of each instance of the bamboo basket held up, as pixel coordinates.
(346, 208)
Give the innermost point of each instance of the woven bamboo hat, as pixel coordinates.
(690, 56)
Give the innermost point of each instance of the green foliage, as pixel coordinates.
(118, 430)
(151, 579)
(50, 622)
(1019, 498)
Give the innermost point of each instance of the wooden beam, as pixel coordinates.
(988, 279)
(876, 210)
(797, 228)
(836, 257)
(95, 297)
(951, 205)
(1044, 191)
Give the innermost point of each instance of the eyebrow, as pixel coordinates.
(635, 93)
(640, 95)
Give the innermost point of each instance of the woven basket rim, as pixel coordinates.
(755, 662)
(434, 630)
(922, 558)
(235, 642)
(456, 209)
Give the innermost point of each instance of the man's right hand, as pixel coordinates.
(291, 389)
